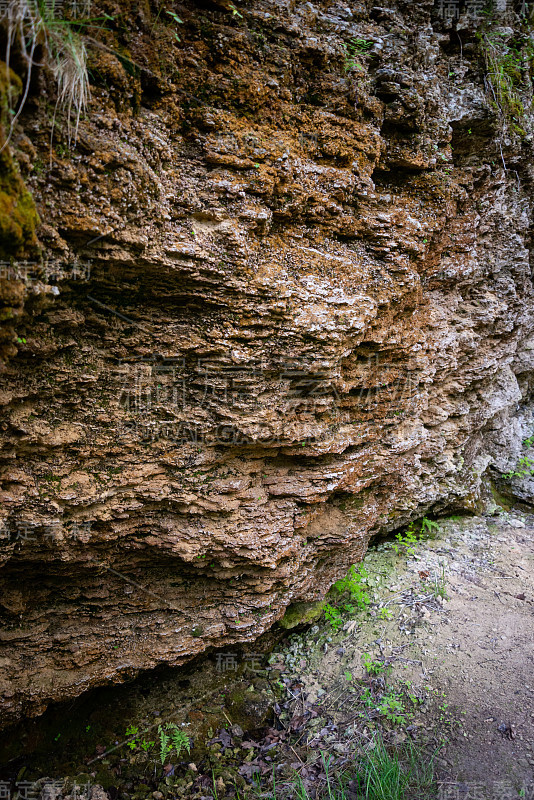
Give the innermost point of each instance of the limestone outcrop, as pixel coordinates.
(281, 301)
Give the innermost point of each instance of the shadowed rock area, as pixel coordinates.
(280, 301)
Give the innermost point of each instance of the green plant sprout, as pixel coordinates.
(408, 541)
(438, 585)
(353, 49)
(178, 21)
(525, 466)
(353, 584)
(333, 616)
(392, 709)
(172, 738)
(372, 666)
(507, 72)
(235, 12)
(361, 45)
(136, 742)
(132, 731)
(146, 745)
(385, 613)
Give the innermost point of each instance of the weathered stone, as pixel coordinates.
(285, 315)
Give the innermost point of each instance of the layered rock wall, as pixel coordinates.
(282, 302)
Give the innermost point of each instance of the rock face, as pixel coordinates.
(286, 304)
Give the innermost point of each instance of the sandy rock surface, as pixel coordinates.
(288, 304)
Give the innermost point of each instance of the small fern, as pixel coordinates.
(179, 740)
(164, 746)
(172, 738)
(428, 525)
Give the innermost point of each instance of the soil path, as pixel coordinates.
(483, 650)
(468, 660)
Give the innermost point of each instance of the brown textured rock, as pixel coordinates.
(289, 316)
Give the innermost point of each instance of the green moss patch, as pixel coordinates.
(301, 613)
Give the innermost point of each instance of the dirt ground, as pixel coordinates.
(469, 660)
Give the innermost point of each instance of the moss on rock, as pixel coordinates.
(301, 613)
(18, 216)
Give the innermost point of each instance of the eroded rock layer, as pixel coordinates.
(286, 304)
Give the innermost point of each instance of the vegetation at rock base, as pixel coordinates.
(171, 738)
(407, 541)
(379, 774)
(364, 735)
(353, 587)
(351, 593)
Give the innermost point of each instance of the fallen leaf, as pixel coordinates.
(248, 770)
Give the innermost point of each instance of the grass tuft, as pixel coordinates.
(31, 24)
(379, 773)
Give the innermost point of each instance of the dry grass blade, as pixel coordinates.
(28, 24)
(73, 85)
